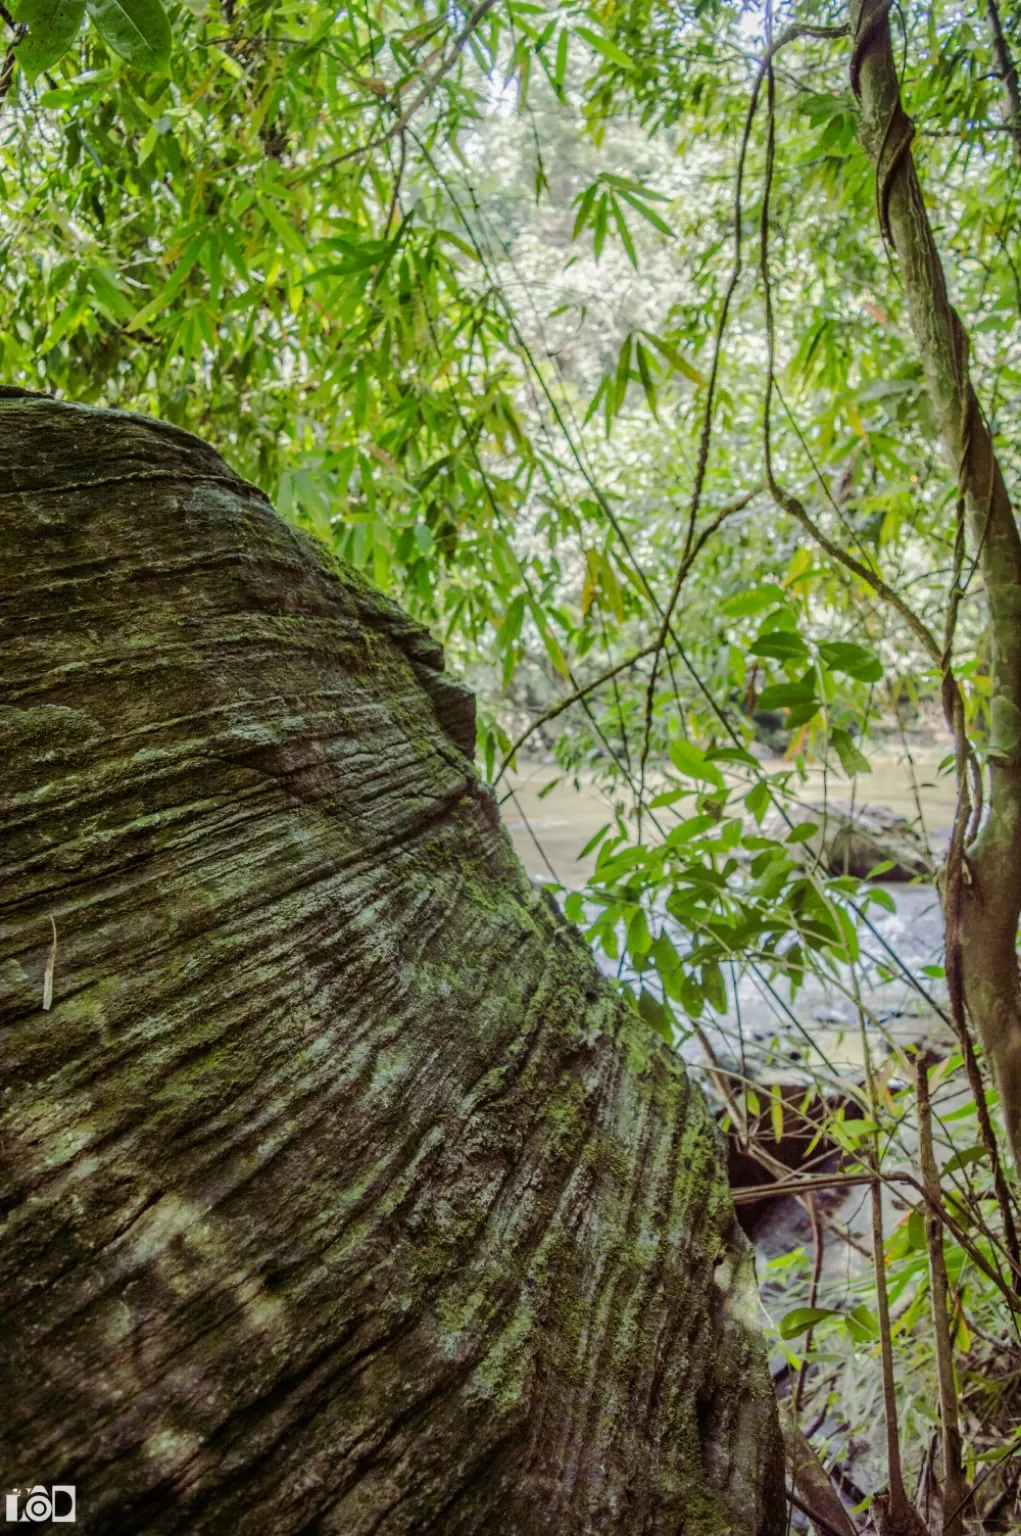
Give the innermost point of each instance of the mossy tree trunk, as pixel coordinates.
(340, 1194)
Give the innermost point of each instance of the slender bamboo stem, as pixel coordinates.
(955, 1487)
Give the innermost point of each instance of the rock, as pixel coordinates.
(854, 842)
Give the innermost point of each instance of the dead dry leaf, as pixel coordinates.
(51, 966)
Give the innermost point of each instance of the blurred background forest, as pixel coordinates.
(478, 297)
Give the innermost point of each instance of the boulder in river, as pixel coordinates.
(855, 841)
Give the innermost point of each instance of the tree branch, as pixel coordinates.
(954, 1483)
(1007, 71)
(982, 899)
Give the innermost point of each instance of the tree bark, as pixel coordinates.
(340, 1193)
(986, 899)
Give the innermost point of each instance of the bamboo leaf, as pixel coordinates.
(678, 362)
(602, 45)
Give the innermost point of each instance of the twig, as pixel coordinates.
(751, 1192)
(955, 1486)
(898, 1496)
(813, 1514)
(788, 35)
(995, 1466)
(901, 1518)
(784, 499)
(629, 661)
(705, 435)
(1007, 72)
(566, 702)
(478, 15)
(7, 69)
(818, 1250)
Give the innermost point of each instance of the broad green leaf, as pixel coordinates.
(555, 652)
(851, 760)
(668, 797)
(623, 184)
(747, 603)
(714, 986)
(786, 695)
(137, 30)
(625, 235)
(623, 373)
(853, 660)
(757, 801)
(693, 827)
(802, 1318)
(656, 1014)
(585, 202)
(648, 383)
(776, 1114)
(282, 227)
(639, 939)
(965, 1158)
(595, 840)
(849, 932)
(648, 214)
(171, 289)
(53, 26)
(560, 70)
(227, 64)
(732, 755)
(803, 833)
(687, 759)
(801, 714)
(780, 645)
(862, 1325)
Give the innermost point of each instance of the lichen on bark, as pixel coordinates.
(339, 1192)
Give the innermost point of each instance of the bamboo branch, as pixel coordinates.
(955, 1487)
(653, 648)
(749, 1193)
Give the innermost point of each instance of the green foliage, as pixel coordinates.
(53, 26)
(136, 30)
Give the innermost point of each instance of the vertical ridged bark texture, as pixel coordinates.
(340, 1194)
